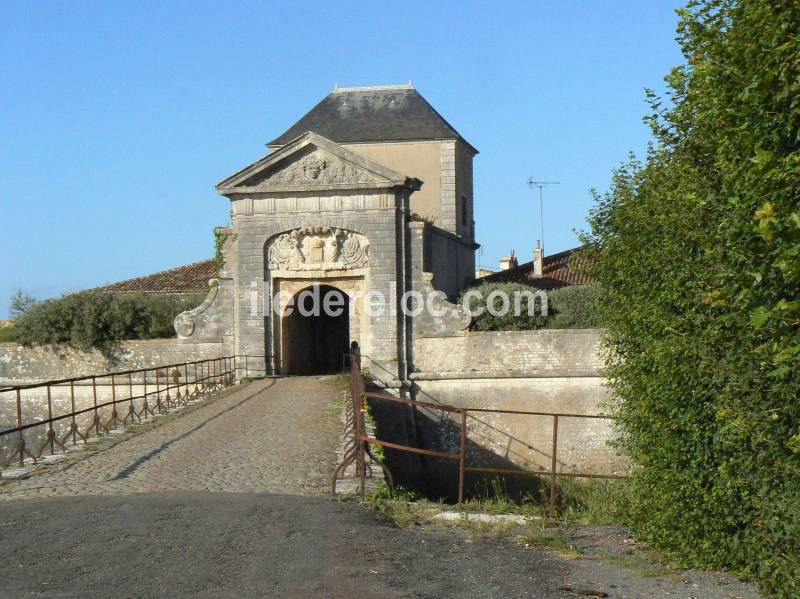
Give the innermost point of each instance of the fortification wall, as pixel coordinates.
(553, 371)
(19, 364)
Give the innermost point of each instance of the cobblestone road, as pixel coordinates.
(275, 435)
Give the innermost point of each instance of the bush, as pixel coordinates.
(574, 307)
(530, 315)
(97, 319)
(568, 308)
(698, 253)
(8, 334)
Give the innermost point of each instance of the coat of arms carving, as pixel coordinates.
(316, 168)
(318, 248)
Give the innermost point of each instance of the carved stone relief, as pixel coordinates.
(318, 248)
(317, 168)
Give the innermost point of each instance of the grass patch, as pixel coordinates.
(540, 535)
(592, 501)
(402, 507)
(493, 498)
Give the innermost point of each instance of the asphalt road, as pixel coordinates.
(196, 544)
(204, 544)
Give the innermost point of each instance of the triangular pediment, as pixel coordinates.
(309, 163)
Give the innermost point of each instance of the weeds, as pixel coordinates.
(645, 563)
(539, 535)
(592, 501)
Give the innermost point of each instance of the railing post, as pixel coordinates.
(145, 404)
(50, 431)
(131, 410)
(158, 390)
(21, 438)
(462, 458)
(186, 379)
(114, 418)
(73, 425)
(553, 466)
(356, 391)
(94, 403)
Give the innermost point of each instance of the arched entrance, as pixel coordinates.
(315, 331)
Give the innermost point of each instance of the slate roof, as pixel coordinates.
(372, 114)
(191, 278)
(558, 270)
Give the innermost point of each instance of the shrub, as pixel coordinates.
(568, 308)
(698, 253)
(8, 334)
(574, 307)
(527, 319)
(97, 319)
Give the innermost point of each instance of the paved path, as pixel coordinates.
(276, 435)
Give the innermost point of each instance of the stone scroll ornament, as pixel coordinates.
(184, 322)
(318, 248)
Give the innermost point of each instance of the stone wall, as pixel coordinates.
(551, 371)
(548, 352)
(448, 257)
(21, 365)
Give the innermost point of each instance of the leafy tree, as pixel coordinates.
(20, 302)
(698, 252)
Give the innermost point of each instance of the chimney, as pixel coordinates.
(537, 260)
(507, 262)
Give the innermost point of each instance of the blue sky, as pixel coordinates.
(117, 119)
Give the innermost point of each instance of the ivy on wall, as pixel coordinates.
(220, 235)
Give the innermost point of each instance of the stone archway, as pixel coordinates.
(315, 330)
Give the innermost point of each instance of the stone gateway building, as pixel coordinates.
(367, 197)
(366, 201)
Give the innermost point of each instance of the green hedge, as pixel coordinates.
(574, 307)
(568, 307)
(96, 319)
(698, 253)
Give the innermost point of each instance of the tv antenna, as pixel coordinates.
(541, 185)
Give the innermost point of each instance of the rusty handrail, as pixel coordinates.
(357, 397)
(199, 377)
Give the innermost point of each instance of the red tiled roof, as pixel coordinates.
(190, 278)
(558, 270)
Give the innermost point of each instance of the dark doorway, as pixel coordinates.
(316, 334)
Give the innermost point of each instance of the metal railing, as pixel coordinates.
(49, 416)
(361, 441)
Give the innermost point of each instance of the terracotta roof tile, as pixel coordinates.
(558, 270)
(191, 278)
